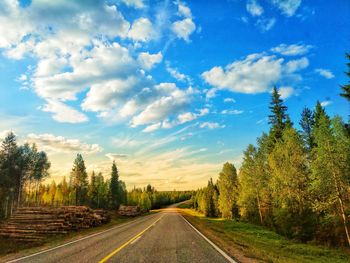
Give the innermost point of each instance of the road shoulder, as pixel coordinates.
(22, 250)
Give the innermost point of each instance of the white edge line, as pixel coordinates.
(134, 241)
(72, 242)
(229, 259)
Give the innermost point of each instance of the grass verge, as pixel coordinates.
(251, 243)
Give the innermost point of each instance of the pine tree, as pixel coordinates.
(278, 115)
(331, 169)
(65, 191)
(93, 190)
(79, 180)
(346, 87)
(228, 191)
(210, 198)
(306, 123)
(318, 114)
(114, 187)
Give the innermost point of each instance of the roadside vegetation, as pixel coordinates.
(24, 173)
(295, 180)
(253, 243)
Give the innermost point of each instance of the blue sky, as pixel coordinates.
(168, 89)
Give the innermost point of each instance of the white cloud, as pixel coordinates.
(177, 75)
(147, 60)
(174, 101)
(64, 113)
(142, 30)
(292, 50)
(211, 125)
(138, 4)
(104, 61)
(254, 8)
(296, 65)
(325, 73)
(153, 127)
(326, 103)
(211, 93)
(78, 57)
(184, 28)
(190, 116)
(287, 7)
(60, 144)
(4, 133)
(286, 92)
(116, 156)
(184, 10)
(265, 24)
(232, 112)
(229, 100)
(254, 74)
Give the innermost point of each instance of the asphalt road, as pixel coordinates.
(162, 237)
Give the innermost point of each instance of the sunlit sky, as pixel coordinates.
(170, 90)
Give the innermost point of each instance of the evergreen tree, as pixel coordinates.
(278, 115)
(65, 191)
(93, 191)
(318, 114)
(228, 189)
(331, 170)
(210, 200)
(306, 123)
(346, 87)
(10, 174)
(114, 187)
(79, 180)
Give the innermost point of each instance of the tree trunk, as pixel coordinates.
(344, 219)
(342, 210)
(259, 208)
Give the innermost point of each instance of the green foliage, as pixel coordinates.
(297, 184)
(346, 87)
(20, 167)
(228, 188)
(306, 123)
(330, 180)
(289, 184)
(79, 180)
(278, 115)
(114, 187)
(158, 199)
(145, 202)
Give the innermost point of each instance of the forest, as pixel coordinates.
(295, 182)
(24, 172)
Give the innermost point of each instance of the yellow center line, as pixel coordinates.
(105, 259)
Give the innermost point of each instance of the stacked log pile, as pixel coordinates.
(128, 210)
(37, 223)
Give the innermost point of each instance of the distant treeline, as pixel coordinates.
(294, 182)
(23, 169)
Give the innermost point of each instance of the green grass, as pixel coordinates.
(186, 204)
(256, 242)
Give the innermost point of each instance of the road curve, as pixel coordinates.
(162, 237)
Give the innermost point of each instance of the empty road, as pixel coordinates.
(161, 237)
